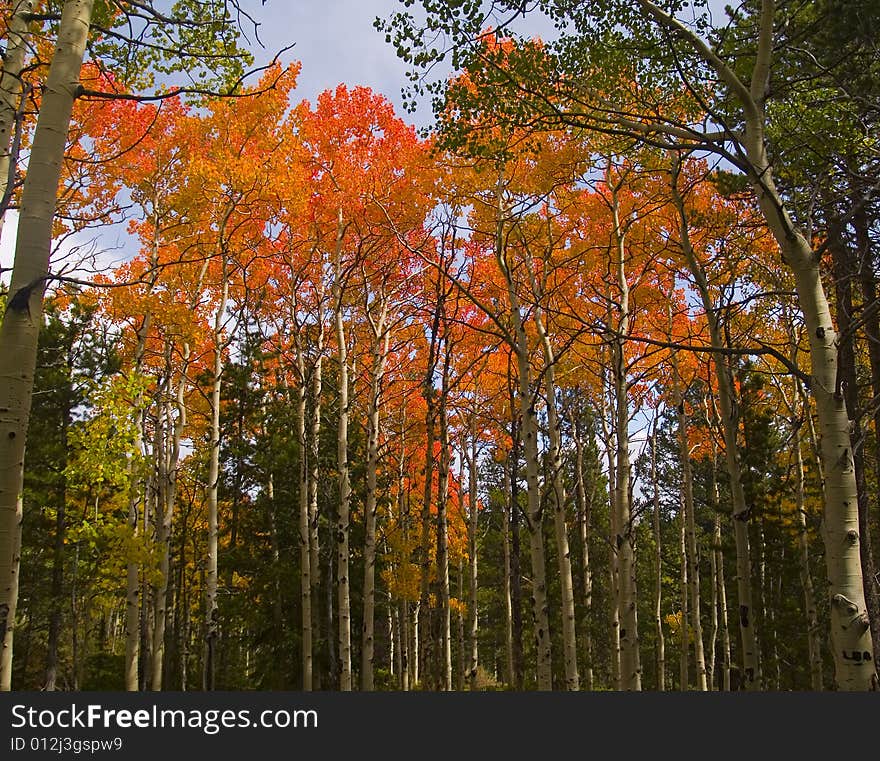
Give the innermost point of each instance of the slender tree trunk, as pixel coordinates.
(473, 527)
(138, 486)
(730, 426)
(584, 505)
(712, 650)
(405, 667)
(718, 574)
(463, 656)
(423, 610)
(314, 474)
(613, 555)
(812, 616)
(558, 500)
(55, 592)
(445, 634)
(381, 337)
(169, 452)
(867, 266)
(850, 625)
(684, 626)
(687, 502)
(516, 622)
(12, 98)
(24, 309)
(630, 664)
(211, 610)
(658, 570)
(343, 517)
(424, 628)
(847, 385)
(57, 584)
(508, 564)
(304, 526)
(132, 588)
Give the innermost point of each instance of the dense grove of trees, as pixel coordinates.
(580, 391)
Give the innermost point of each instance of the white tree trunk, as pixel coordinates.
(751, 678)
(11, 94)
(381, 338)
(168, 436)
(443, 541)
(508, 601)
(473, 526)
(630, 664)
(583, 517)
(343, 511)
(658, 570)
(687, 504)
(304, 525)
(211, 610)
(558, 501)
(23, 317)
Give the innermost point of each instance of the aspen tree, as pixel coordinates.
(344, 479)
(380, 332)
(541, 95)
(584, 505)
(729, 419)
(473, 527)
(21, 321)
(12, 94)
(658, 569)
(211, 608)
(557, 491)
(687, 503)
(624, 537)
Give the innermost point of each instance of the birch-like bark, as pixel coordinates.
(850, 631)
(687, 503)
(24, 309)
(718, 563)
(304, 524)
(138, 493)
(422, 627)
(712, 649)
(168, 450)
(508, 560)
(212, 623)
(381, 338)
(684, 625)
(867, 266)
(314, 473)
(513, 521)
(613, 562)
(445, 638)
(403, 521)
(423, 612)
(813, 636)
(558, 501)
(343, 511)
(463, 656)
(658, 570)
(730, 427)
(473, 526)
(584, 505)
(630, 664)
(529, 433)
(849, 621)
(12, 95)
(798, 417)
(847, 383)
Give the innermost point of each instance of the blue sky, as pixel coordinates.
(336, 42)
